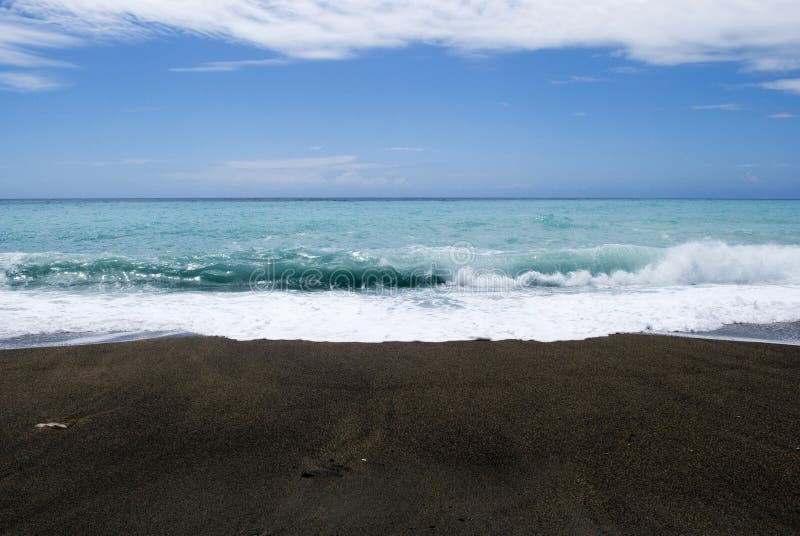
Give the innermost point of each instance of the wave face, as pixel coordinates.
(381, 270)
(613, 266)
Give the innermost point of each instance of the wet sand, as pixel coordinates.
(629, 434)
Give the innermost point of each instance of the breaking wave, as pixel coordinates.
(610, 266)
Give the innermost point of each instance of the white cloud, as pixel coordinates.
(227, 66)
(727, 107)
(790, 85)
(405, 149)
(786, 60)
(762, 34)
(25, 82)
(782, 115)
(579, 114)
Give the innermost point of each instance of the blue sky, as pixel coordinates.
(144, 100)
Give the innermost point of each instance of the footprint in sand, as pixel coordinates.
(334, 470)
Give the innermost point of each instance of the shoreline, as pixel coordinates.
(781, 333)
(710, 336)
(625, 433)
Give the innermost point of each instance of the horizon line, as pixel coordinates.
(400, 198)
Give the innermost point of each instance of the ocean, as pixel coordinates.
(377, 270)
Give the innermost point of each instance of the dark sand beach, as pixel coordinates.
(620, 435)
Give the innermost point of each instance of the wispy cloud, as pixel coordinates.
(22, 39)
(750, 176)
(579, 114)
(353, 179)
(762, 35)
(781, 60)
(228, 66)
(27, 82)
(106, 163)
(21, 43)
(789, 85)
(402, 149)
(575, 79)
(142, 109)
(726, 107)
(625, 69)
(293, 163)
(782, 115)
(329, 171)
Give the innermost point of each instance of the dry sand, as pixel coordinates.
(626, 434)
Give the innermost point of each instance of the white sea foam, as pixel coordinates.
(694, 263)
(428, 315)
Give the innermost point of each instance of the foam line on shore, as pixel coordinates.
(429, 315)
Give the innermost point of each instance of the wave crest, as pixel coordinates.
(610, 266)
(694, 263)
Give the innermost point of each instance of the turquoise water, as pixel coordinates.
(217, 245)
(410, 269)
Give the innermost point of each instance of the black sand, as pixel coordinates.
(621, 435)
